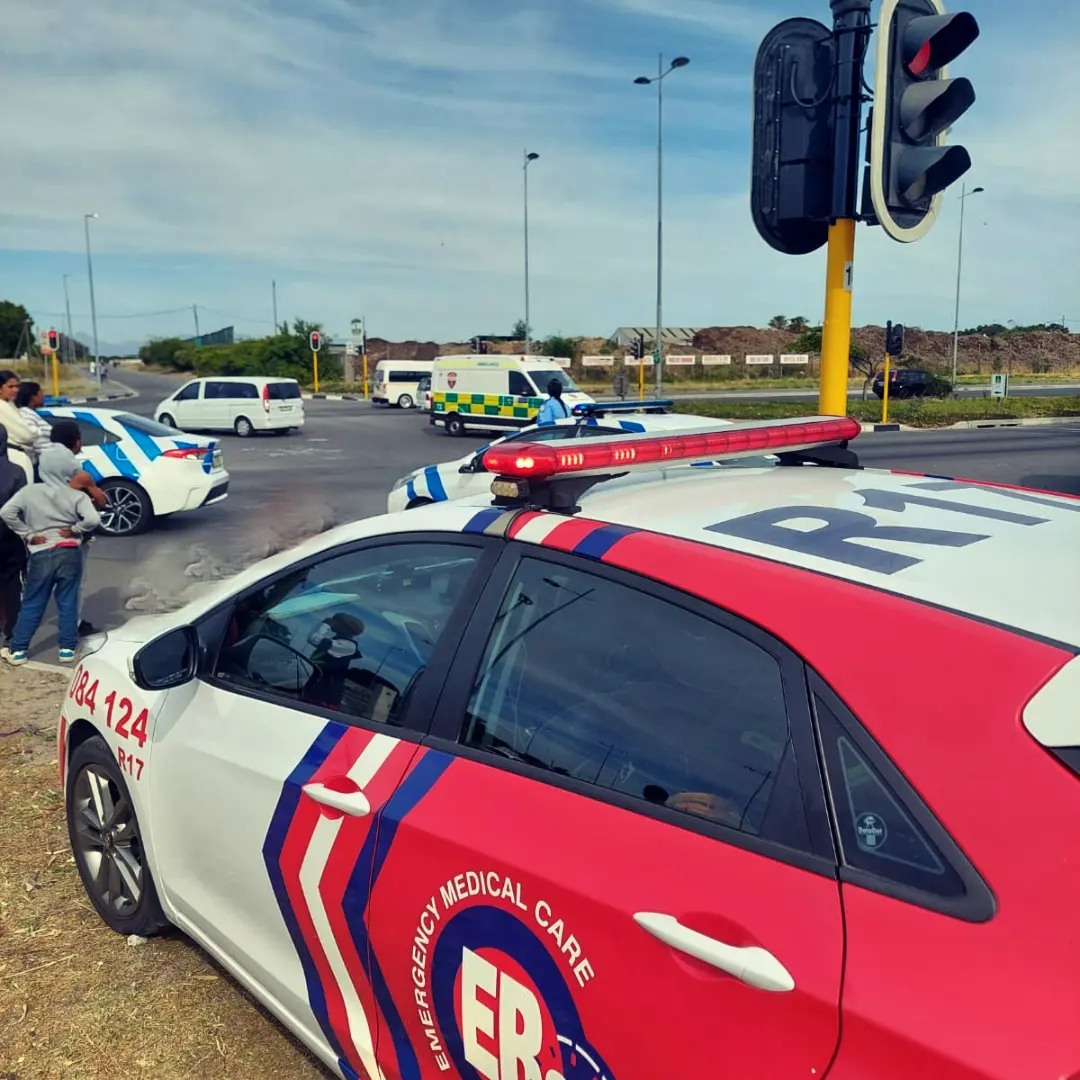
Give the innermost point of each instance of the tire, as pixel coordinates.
(109, 854)
(455, 425)
(167, 420)
(129, 512)
(243, 427)
(405, 401)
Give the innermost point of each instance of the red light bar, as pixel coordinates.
(605, 455)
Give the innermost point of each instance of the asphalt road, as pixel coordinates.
(343, 464)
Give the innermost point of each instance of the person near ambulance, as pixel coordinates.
(554, 408)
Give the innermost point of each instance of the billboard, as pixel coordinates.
(709, 359)
(794, 358)
(225, 336)
(759, 358)
(597, 361)
(685, 360)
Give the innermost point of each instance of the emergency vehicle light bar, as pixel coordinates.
(598, 408)
(606, 455)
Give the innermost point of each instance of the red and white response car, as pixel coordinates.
(757, 773)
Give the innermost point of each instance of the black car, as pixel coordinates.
(909, 383)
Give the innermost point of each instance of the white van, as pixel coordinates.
(397, 382)
(495, 392)
(240, 403)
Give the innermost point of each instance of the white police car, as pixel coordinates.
(467, 476)
(612, 776)
(146, 469)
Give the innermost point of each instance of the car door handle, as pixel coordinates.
(752, 965)
(348, 802)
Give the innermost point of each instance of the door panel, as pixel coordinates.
(615, 841)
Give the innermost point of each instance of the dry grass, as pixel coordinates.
(76, 1000)
(72, 381)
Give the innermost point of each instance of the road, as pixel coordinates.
(1015, 390)
(343, 464)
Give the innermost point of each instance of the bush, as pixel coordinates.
(173, 354)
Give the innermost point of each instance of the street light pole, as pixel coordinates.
(70, 350)
(93, 306)
(642, 80)
(528, 159)
(964, 194)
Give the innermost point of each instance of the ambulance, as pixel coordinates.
(495, 392)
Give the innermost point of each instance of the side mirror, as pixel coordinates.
(168, 661)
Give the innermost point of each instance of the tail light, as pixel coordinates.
(266, 397)
(187, 453)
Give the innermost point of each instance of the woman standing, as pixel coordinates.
(20, 436)
(28, 399)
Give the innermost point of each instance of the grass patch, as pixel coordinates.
(928, 413)
(76, 1001)
(72, 381)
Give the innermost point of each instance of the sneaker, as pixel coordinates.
(14, 658)
(65, 656)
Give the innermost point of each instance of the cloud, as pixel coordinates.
(368, 156)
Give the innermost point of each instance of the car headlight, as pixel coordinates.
(398, 484)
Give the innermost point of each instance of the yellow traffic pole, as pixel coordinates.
(315, 368)
(836, 333)
(365, 375)
(55, 376)
(885, 393)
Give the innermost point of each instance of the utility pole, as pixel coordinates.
(273, 293)
(67, 310)
(195, 312)
(93, 306)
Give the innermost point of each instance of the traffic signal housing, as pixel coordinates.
(793, 136)
(54, 340)
(915, 104)
(315, 341)
(894, 339)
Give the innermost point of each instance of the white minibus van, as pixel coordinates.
(397, 382)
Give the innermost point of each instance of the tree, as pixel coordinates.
(173, 354)
(798, 324)
(779, 322)
(520, 330)
(558, 345)
(809, 341)
(15, 321)
(865, 363)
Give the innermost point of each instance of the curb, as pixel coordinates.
(49, 669)
(332, 397)
(124, 392)
(1035, 421)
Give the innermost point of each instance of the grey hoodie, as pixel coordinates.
(46, 508)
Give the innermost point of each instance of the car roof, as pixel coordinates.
(242, 378)
(1005, 555)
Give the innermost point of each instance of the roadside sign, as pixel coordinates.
(999, 385)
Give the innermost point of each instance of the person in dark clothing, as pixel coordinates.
(334, 651)
(12, 549)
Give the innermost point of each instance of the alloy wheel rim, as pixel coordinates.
(106, 836)
(124, 511)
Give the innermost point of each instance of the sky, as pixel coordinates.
(367, 156)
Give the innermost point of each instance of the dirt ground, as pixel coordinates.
(77, 1001)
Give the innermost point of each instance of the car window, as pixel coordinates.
(189, 392)
(145, 426)
(877, 832)
(276, 391)
(93, 435)
(216, 390)
(352, 633)
(601, 683)
(520, 386)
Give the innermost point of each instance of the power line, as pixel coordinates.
(128, 315)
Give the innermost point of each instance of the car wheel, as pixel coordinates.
(128, 512)
(107, 843)
(167, 420)
(243, 427)
(455, 425)
(405, 401)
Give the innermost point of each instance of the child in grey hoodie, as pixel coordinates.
(53, 520)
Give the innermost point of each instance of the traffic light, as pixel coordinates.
(894, 339)
(315, 340)
(54, 340)
(637, 347)
(484, 347)
(793, 136)
(914, 106)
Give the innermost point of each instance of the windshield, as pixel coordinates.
(542, 376)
